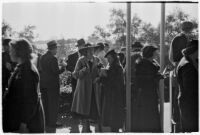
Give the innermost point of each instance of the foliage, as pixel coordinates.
(99, 35)
(28, 33)
(6, 29)
(173, 24)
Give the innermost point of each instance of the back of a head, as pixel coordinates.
(187, 26)
(23, 48)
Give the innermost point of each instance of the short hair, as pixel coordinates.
(147, 51)
(23, 48)
(187, 26)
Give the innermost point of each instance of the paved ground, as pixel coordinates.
(71, 126)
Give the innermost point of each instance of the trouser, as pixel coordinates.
(50, 100)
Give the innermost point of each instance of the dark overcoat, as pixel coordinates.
(71, 63)
(178, 44)
(50, 87)
(6, 72)
(146, 105)
(113, 97)
(188, 99)
(22, 104)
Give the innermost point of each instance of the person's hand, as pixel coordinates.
(63, 64)
(23, 128)
(8, 66)
(84, 69)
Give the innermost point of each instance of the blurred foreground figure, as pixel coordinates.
(7, 64)
(50, 85)
(188, 92)
(22, 106)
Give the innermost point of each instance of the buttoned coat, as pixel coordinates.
(85, 83)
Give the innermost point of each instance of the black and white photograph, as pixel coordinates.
(99, 66)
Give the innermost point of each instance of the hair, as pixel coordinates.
(23, 49)
(187, 26)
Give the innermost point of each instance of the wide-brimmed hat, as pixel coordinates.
(52, 44)
(192, 47)
(99, 46)
(111, 52)
(80, 42)
(148, 50)
(137, 45)
(187, 26)
(86, 47)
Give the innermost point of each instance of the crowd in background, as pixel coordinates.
(31, 85)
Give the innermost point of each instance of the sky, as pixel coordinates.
(77, 20)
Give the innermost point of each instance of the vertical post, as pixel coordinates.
(128, 69)
(162, 43)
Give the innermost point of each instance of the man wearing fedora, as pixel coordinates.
(71, 63)
(49, 85)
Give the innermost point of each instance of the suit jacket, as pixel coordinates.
(178, 44)
(50, 72)
(22, 103)
(71, 62)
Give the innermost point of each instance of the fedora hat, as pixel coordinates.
(80, 42)
(52, 44)
(111, 52)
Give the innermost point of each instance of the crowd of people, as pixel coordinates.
(31, 88)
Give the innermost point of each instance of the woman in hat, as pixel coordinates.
(147, 78)
(187, 75)
(22, 106)
(85, 104)
(113, 93)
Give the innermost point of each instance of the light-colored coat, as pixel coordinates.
(85, 81)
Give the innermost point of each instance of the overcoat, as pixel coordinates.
(113, 97)
(85, 84)
(146, 105)
(50, 87)
(188, 94)
(23, 104)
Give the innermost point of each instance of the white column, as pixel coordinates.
(162, 43)
(128, 70)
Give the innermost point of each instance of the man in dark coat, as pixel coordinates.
(188, 82)
(50, 86)
(175, 54)
(71, 63)
(7, 64)
(180, 42)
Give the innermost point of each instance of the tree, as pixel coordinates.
(99, 35)
(173, 24)
(117, 25)
(6, 29)
(28, 33)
